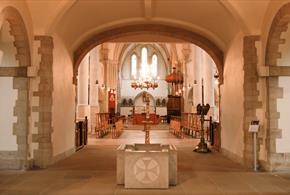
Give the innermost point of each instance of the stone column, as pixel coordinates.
(83, 92)
(83, 81)
(251, 94)
(197, 76)
(43, 155)
(208, 79)
(104, 52)
(94, 83)
(186, 60)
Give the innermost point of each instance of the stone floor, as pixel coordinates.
(92, 170)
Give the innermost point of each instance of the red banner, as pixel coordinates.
(112, 99)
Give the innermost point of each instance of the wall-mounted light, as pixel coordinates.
(216, 76)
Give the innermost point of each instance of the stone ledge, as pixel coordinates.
(11, 164)
(13, 71)
(273, 71)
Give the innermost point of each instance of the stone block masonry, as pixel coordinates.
(43, 155)
(251, 92)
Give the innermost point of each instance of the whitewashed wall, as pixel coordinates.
(127, 92)
(8, 95)
(7, 102)
(63, 108)
(200, 66)
(232, 101)
(283, 104)
(283, 107)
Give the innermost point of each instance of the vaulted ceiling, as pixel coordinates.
(218, 20)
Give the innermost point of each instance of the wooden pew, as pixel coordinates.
(175, 127)
(102, 124)
(118, 128)
(185, 123)
(191, 125)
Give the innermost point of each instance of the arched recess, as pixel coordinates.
(18, 73)
(162, 50)
(141, 94)
(211, 48)
(273, 59)
(18, 31)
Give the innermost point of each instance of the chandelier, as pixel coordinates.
(144, 84)
(147, 78)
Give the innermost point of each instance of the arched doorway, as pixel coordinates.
(278, 97)
(106, 82)
(211, 48)
(14, 82)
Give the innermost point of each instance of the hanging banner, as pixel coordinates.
(112, 99)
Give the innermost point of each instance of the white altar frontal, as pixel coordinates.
(147, 165)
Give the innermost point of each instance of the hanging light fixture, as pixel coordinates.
(146, 80)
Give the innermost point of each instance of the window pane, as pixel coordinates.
(144, 56)
(154, 65)
(134, 65)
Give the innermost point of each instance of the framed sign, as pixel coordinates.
(254, 126)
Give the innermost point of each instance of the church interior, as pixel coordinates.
(145, 96)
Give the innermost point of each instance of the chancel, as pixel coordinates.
(145, 96)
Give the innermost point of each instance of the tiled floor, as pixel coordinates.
(92, 170)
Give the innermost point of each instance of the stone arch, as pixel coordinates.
(19, 158)
(129, 49)
(211, 48)
(279, 25)
(18, 31)
(141, 93)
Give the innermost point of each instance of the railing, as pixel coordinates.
(191, 126)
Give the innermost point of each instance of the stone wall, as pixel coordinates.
(43, 155)
(18, 159)
(251, 93)
(275, 161)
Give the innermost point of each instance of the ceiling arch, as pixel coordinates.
(212, 49)
(85, 18)
(219, 17)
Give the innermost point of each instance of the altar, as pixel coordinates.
(139, 118)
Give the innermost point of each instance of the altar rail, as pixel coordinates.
(102, 124)
(175, 126)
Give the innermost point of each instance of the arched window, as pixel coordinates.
(154, 65)
(144, 56)
(134, 65)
